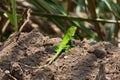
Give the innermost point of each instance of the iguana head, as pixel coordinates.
(72, 30)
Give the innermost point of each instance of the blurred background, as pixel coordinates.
(97, 20)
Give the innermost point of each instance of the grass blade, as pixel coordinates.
(13, 4)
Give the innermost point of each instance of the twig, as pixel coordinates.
(7, 72)
(5, 26)
(33, 67)
(26, 21)
(75, 18)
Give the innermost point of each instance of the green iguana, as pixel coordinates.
(63, 45)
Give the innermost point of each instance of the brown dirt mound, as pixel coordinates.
(85, 61)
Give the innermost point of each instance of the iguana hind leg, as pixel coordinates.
(67, 48)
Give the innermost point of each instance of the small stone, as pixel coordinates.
(7, 71)
(65, 57)
(100, 52)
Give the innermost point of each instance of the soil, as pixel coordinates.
(86, 60)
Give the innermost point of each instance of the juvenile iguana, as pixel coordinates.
(63, 45)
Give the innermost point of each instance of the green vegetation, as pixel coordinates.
(101, 21)
(13, 4)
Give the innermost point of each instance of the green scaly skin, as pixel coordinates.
(68, 36)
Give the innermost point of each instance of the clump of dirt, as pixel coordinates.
(86, 60)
